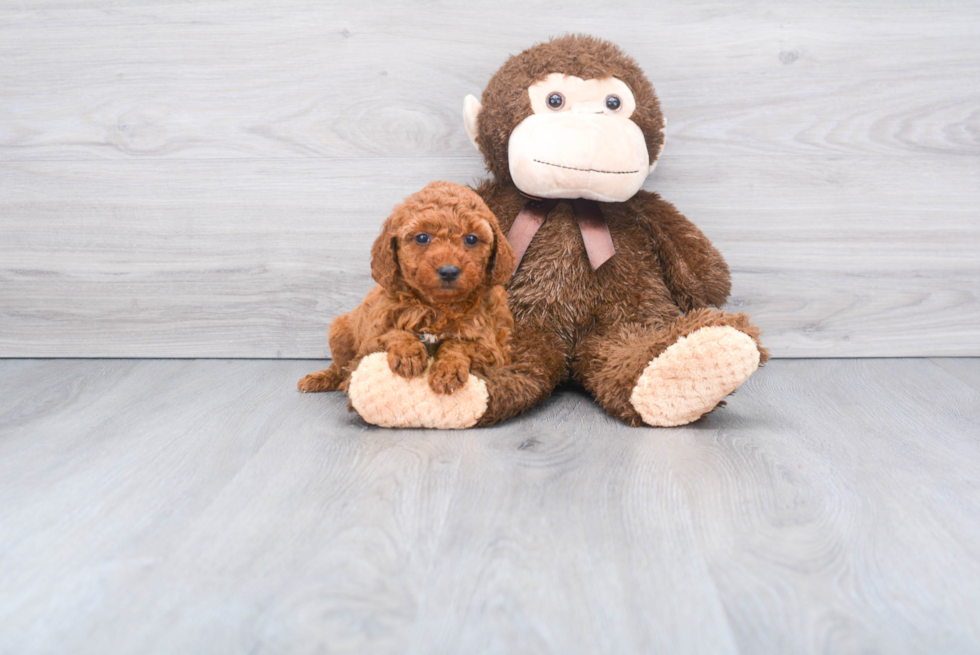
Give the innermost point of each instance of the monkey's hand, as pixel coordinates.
(695, 272)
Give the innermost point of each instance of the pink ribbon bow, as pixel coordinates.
(595, 232)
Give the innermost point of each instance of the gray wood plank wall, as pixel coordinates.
(204, 179)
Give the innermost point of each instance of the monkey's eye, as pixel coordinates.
(422, 238)
(471, 239)
(613, 103)
(556, 100)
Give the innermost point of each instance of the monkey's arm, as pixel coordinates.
(693, 269)
(498, 347)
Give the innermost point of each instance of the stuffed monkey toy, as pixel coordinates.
(614, 289)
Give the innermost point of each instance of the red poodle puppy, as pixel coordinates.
(440, 263)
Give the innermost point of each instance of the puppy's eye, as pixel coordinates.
(556, 100)
(471, 239)
(422, 238)
(613, 103)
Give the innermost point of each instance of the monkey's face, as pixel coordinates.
(573, 117)
(579, 142)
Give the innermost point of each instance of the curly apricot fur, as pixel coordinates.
(468, 317)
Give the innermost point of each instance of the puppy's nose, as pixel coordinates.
(448, 273)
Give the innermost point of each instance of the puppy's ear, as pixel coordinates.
(384, 254)
(502, 260)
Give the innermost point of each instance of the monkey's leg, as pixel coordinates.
(538, 362)
(669, 375)
(385, 399)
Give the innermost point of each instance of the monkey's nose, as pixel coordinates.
(448, 273)
(595, 107)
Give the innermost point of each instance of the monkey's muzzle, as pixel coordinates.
(578, 155)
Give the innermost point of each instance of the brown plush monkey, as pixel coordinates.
(615, 287)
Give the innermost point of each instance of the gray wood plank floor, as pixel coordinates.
(206, 507)
(191, 178)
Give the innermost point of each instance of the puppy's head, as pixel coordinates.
(444, 242)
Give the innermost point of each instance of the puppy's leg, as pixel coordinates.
(326, 380)
(343, 348)
(451, 366)
(407, 355)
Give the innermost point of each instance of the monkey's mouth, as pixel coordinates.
(586, 170)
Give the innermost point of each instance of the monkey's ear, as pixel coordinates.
(384, 258)
(502, 259)
(471, 117)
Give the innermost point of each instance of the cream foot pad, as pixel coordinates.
(693, 375)
(391, 401)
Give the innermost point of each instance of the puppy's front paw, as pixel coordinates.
(446, 376)
(408, 360)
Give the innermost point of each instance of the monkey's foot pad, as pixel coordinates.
(392, 401)
(693, 375)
